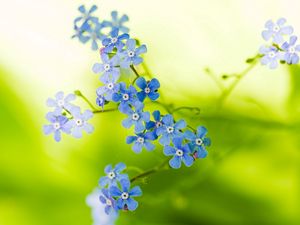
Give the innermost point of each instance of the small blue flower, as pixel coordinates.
(141, 140)
(58, 123)
(95, 35)
(108, 67)
(276, 30)
(131, 56)
(180, 153)
(170, 130)
(86, 14)
(117, 23)
(79, 122)
(156, 123)
(271, 56)
(291, 49)
(125, 195)
(111, 86)
(148, 89)
(125, 96)
(100, 101)
(110, 203)
(61, 102)
(114, 42)
(198, 141)
(79, 32)
(136, 117)
(113, 175)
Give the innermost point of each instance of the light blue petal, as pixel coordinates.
(115, 192)
(165, 139)
(175, 162)
(188, 160)
(127, 123)
(77, 132)
(132, 204)
(169, 150)
(137, 147)
(48, 129)
(120, 167)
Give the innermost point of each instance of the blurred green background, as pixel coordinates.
(251, 175)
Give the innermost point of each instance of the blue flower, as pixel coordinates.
(291, 49)
(58, 123)
(276, 30)
(113, 175)
(198, 141)
(108, 67)
(86, 14)
(271, 56)
(79, 122)
(117, 23)
(79, 30)
(170, 130)
(100, 101)
(125, 195)
(135, 117)
(110, 203)
(61, 102)
(109, 88)
(125, 96)
(131, 56)
(114, 42)
(148, 89)
(180, 153)
(94, 34)
(156, 123)
(141, 140)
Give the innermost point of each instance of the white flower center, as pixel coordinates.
(79, 122)
(292, 50)
(125, 196)
(170, 130)
(179, 152)
(114, 40)
(60, 103)
(106, 67)
(272, 54)
(111, 175)
(125, 97)
(56, 125)
(199, 141)
(135, 116)
(110, 86)
(108, 202)
(158, 124)
(147, 90)
(276, 28)
(140, 140)
(131, 53)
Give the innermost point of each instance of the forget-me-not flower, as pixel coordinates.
(291, 51)
(131, 56)
(125, 195)
(95, 34)
(110, 87)
(113, 175)
(125, 95)
(100, 101)
(180, 153)
(141, 140)
(79, 32)
(154, 125)
(276, 30)
(58, 124)
(108, 67)
(271, 56)
(115, 41)
(136, 117)
(147, 89)
(170, 129)
(86, 14)
(198, 141)
(79, 122)
(61, 102)
(117, 23)
(108, 201)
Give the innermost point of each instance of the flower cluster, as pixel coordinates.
(116, 193)
(90, 28)
(283, 47)
(66, 117)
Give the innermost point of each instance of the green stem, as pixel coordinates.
(79, 94)
(105, 110)
(238, 77)
(151, 171)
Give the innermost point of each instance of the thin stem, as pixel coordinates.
(239, 76)
(134, 70)
(79, 94)
(149, 172)
(105, 110)
(214, 78)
